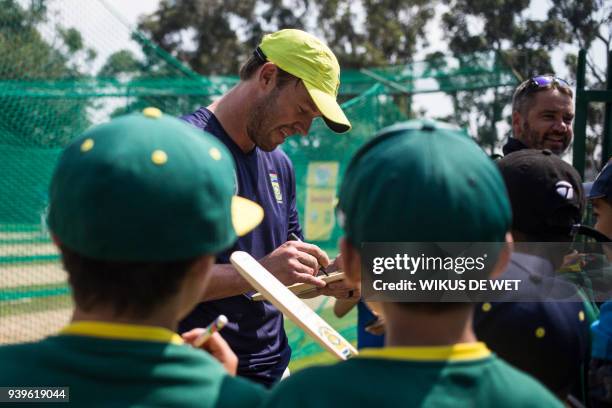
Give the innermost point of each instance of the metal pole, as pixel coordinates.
(606, 143)
(581, 115)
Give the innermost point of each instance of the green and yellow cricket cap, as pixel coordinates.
(308, 58)
(147, 187)
(423, 181)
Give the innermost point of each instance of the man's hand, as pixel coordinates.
(296, 262)
(341, 289)
(215, 346)
(377, 327)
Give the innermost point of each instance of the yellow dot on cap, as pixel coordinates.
(581, 316)
(159, 157)
(486, 307)
(152, 112)
(540, 332)
(215, 153)
(87, 145)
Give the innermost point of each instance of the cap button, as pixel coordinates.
(152, 112)
(87, 145)
(215, 153)
(546, 152)
(159, 157)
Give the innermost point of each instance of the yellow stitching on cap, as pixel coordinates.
(159, 157)
(581, 316)
(152, 112)
(486, 307)
(215, 153)
(87, 145)
(540, 332)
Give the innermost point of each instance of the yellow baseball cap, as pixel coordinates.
(306, 57)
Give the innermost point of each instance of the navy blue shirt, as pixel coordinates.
(364, 338)
(255, 330)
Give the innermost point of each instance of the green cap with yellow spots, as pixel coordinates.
(147, 187)
(423, 181)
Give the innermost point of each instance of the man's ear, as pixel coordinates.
(351, 260)
(266, 77)
(504, 257)
(517, 125)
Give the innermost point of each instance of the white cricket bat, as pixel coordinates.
(288, 303)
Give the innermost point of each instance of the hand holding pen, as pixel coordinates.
(208, 339)
(293, 237)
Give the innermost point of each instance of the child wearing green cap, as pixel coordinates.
(428, 184)
(138, 208)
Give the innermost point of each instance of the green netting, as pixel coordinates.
(55, 82)
(321, 158)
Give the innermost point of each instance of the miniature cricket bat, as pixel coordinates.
(288, 303)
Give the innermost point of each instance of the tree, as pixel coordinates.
(390, 33)
(201, 33)
(26, 56)
(215, 37)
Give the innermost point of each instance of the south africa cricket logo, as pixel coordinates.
(335, 341)
(276, 188)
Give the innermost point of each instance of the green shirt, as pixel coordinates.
(463, 375)
(125, 366)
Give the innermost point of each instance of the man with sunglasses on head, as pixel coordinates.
(542, 115)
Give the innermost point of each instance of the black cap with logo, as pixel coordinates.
(545, 193)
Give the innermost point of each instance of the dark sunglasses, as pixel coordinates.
(543, 81)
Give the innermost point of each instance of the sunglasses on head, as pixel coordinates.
(543, 81)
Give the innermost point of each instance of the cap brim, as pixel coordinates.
(332, 113)
(246, 215)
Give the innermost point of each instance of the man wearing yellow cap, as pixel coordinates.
(291, 79)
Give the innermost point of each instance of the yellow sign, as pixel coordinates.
(322, 179)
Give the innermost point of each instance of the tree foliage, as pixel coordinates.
(215, 37)
(27, 56)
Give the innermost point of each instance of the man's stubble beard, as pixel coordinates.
(534, 141)
(259, 122)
